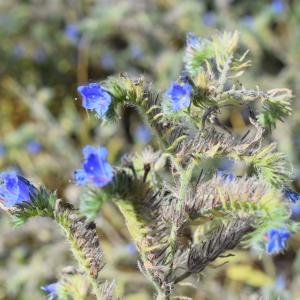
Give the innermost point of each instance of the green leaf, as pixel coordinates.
(275, 108)
(92, 201)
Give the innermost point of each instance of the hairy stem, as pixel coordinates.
(163, 296)
(65, 224)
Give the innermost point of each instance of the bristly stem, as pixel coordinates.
(65, 224)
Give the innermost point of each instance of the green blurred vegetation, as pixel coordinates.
(49, 47)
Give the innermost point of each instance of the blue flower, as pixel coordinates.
(72, 33)
(179, 95)
(96, 169)
(136, 51)
(15, 189)
(19, 50)
(192, 40)
(228, 177)
(248, 21)
(291, 195)
(39, 55)
(276, 240)
(81, 177)
(131, 248)
(280, 281)
(94, 97)
(209, 19)
(143, 134)
(33, 146)
(2, 150)
(107, 61)
(51, 290)
(226, 165)
(295, 209)
(277, 6)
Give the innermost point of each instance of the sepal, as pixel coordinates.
(42, 205)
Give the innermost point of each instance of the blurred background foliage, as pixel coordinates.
(49, 47)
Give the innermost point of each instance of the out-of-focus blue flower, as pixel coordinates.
(248, 21)
(2, 149)
(291, 195)
(39, 55)
(95, 98)
(295, 209)
(209, 19)
(81, 177)
(107, 61)
(184, 76)
(277, 6)
(96, 169)
(276, 240)
(226, 165)
(192, 40)
(19, 50)
(72, 33)
(280, 282)
(15, 189)
(143, 134)
(131, 248)
(33, 147)
(179, 95)
(228, 177)
(51, 290)
(136, 51)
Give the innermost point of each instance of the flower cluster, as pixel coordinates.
(95, 98)
(14, 189)
(96, 169)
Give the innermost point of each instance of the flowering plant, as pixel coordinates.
(181, 213)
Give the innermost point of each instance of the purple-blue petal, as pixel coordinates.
(276, 240)
(2, 149)
(33, 147)
(192, 40)
(143, 134)
(131, 248)
(15, 189)
(80, 177)
(228, 176)
(51, 290)
(96, 169)
(108, 61)
(295, 209)
(291, 195)
(277, 6)
(72, 33)
(179, 95)
(95, 98)
(209, 19)
(88, 150)
(102, 152)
